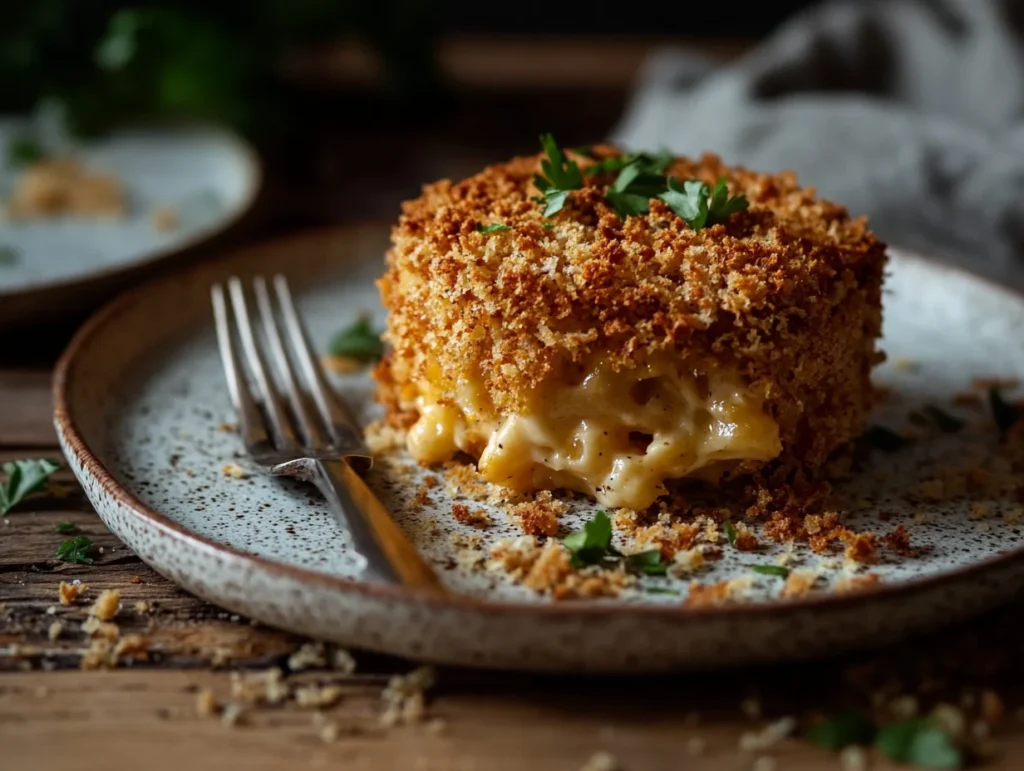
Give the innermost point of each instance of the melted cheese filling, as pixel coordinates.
(617, 436)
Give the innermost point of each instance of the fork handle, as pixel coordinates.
(389, 555)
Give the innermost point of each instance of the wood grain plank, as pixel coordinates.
(26, 409)
(147, 719)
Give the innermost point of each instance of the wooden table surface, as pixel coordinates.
(143, 714)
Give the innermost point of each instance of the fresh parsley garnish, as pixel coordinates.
(640, 177)
(22, 151)
(24, 477)
(661, 590)
(919, 742)
(495, 228)
(699, 205)
(946, 422)
(547, 225)
(587, 150)
(65, 528)
(842, 731)
(358, 341)
(1004, 413)
(8, 255)
(884, 439)
(560, 175)
(593, 546)
(730, 532)
(647, 562)
(771, 570)
(76, 550)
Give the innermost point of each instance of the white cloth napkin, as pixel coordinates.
(909, 111)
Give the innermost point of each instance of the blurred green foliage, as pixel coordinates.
(104, 62)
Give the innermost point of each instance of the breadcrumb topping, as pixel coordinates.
(787, 293)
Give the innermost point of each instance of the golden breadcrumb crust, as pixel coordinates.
(788, 293)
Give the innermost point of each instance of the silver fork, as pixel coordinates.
(315, 438)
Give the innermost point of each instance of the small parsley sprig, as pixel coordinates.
(560, 176)
(24, 477)
(593, 546)
(701, 206)
(771, 570)
(918, 742)
(77, 550)
(497, 227)
(358, 341)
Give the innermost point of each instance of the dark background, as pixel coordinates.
(718, 19)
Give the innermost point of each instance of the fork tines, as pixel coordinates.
(311, 418)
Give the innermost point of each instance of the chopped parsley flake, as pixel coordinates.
(76, 550)
(495, 228)
(593, 546)
(730, 532)
(771, 570)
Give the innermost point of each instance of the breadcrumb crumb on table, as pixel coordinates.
(106, 605)
(69, 593)
(206, 703)
(602, 761)
(54, 630)
(311, 655)
(317, 696)
(405, 697)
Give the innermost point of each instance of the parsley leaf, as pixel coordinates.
(841, 731)
(884, 439)
(587, 150)
(661, 590)
(22, 151)
(701, 207)
(920, 742)
(593, 544)
(771, 570)
(547, 225)
(24, 477)
(730, 532)
(76, 550)
(1004, 413)
(647, 562)
(560, 175)
(946, 422)
(358, 341)
(8, 255)
(64, 528)
(495, 228)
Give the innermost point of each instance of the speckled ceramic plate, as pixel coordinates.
(140, 401)
(209, 177)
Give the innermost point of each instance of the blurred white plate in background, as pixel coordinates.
(208, 177)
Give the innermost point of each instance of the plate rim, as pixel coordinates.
(252, 161)
(66, 426)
